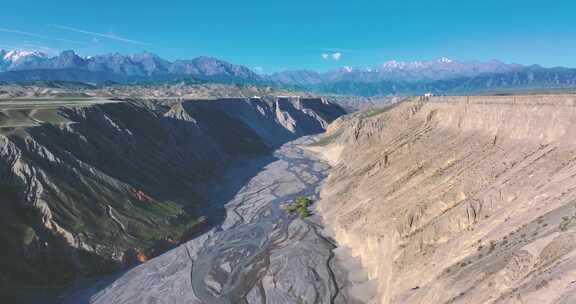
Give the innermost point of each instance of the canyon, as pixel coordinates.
(448, 199)
(288, 152)
(93, 186)
(259, 254)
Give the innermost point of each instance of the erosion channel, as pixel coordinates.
(259, 254)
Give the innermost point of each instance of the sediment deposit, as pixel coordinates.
(259, 254)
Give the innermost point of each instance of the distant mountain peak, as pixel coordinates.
(444, 60)
(395, 64)
(17, 55)
(347, 69)
(139, 66)
(441, 68)
(145, 55)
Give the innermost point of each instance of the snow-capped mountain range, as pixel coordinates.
(442, 75)
(15, 56)
(410, 71)
(118, 67)
(146, 64)
(11, 59)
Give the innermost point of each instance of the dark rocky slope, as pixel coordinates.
(126, 178)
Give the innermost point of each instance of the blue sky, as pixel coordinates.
(274, 35)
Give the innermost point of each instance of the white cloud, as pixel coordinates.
(31, 47)
(110, 36)
(5, 30)
(34, 35)
(332, 56)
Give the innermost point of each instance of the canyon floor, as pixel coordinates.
(259, 254)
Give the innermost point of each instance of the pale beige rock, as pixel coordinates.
(459, 199)
(331, 153)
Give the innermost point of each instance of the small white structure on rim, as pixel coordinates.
(426, 96)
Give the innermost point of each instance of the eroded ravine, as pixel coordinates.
(259, 254)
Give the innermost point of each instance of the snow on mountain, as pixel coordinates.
(442, 68)
(444, 60)
(14, 56)
(140, 66)
(427, 70)
(149, 65)
(443, 63)
(401, 65)
(10, 59)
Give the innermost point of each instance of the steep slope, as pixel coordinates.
(101, 184)
(457, 199)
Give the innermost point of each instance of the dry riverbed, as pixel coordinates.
(258, 254)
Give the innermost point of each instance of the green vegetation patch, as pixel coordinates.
(324, 141)
(15, 232)
(13, 118)
(16, 235)
(300, 205)
(48, 116)
(175, 220)
(16, 118)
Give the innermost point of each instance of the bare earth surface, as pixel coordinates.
(259, 254)
(28, 112)
(459, 199)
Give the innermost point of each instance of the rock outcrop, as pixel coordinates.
(116, 178)
(458, 199)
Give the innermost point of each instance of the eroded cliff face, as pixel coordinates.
(116, 178)
(459, 199)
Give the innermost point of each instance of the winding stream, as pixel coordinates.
(259, 254)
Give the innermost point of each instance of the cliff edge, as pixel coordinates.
(458, 199)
